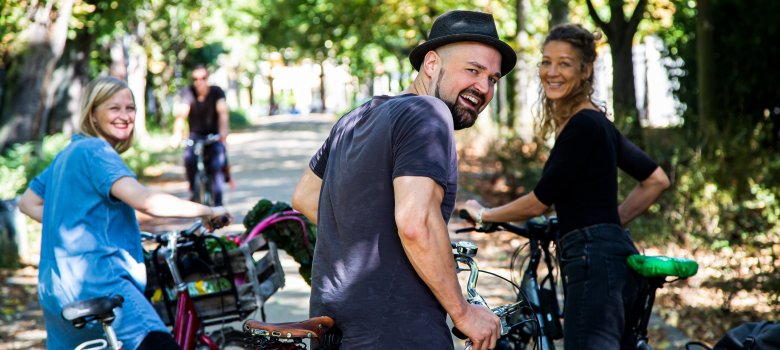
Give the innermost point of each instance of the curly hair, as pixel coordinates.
(553, 114)
(97, 92)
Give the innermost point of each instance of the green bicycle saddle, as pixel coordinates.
(662, 266)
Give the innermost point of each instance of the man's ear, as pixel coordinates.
(431, 61)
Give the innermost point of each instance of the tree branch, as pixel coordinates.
(637, 16)
(599, 22)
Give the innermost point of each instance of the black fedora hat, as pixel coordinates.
(457, 26)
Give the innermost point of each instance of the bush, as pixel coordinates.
(238, 119)
(20, 163)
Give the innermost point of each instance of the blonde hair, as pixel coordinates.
(97, 92)
(553, 114)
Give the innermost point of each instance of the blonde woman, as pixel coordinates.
(91, 244)
(580, 179)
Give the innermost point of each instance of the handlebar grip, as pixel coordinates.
(456, 332)
(464, 214)
(220, 221)
(148, 236)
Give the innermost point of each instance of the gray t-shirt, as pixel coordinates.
(361, 276)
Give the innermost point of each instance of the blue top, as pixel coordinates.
(91, 245)
(361, 276)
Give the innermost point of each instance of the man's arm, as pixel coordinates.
(181, 110)
(224, 120)
(31, 205)
(307, 195)
(426, 242)
(643, 195)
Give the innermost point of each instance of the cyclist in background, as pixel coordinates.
(91, 243)
(382, 188)
(206, 112)
(580, 179)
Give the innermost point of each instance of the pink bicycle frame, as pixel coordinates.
(272, 219)
(188, 323)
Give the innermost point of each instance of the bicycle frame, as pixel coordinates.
(542, 297)
(544, 302)
(187, 326)
(531, 290)
(202, 175)
(465, 252)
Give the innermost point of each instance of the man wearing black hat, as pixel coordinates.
(382, 188)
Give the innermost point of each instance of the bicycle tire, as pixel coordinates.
(202, 190)
(522, 337)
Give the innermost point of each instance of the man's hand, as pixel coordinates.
(175, 141)
(481, 326)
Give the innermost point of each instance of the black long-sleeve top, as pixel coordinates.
(580, 177)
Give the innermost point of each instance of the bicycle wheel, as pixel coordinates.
(202, 189)
(524, 335)
(542, 289)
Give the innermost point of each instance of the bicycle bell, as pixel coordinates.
(467, 248)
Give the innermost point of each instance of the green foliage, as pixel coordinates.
(724, 195)
(22, 162)
(238, 119)
(521, 162)
(206, 55)
(288, 235)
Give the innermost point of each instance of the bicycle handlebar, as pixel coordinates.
(539, 228)
(195, 229)
(210, 139)
(465, 252)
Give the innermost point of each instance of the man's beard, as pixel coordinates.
(462, 117)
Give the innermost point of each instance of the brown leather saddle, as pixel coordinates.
(313, 328)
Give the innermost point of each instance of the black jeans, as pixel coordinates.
(599, 286)
(215, 158)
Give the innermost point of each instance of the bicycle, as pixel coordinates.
(190, 320)
(323, 336)
(543, 298)
(188, 323)
(203, 179)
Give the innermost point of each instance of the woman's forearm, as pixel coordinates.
(643, 195)
(31, 205)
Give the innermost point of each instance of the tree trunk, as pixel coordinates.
(559, 12)
(271, 99)
(27, 104)
(323, 95)
(620, 35)
(136, 79)
(704, 58)
(623, 90)
(75, 62)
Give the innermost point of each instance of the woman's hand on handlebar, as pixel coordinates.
(481, 326)
(219, 218)
(472, 207)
